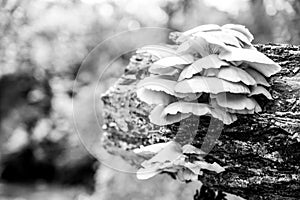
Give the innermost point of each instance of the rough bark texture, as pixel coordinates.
(261, 152)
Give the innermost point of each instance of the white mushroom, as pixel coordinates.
(160, 118)
(259, 78)
(240, 28)
(173, 61)
(210, 61)
(235, 74)
(198, 109)
(222, 36)
(236, 101)
(254, 58)
(210, 85)
(203, 28)
(257, 90)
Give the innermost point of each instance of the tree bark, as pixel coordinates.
(261, 152)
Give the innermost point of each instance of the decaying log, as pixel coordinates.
(261, 152)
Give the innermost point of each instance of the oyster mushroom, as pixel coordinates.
(257, 90)
(254, 58)
(210, 85)
(232, 74)
(159, 117)
(236, 101)
(208, 27)
(222, 36)
(240, 28)
(210, 61)
(198, 109)
(173, 61)
(258, 77)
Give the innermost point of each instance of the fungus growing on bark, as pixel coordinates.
(218, 60)
(211, 61)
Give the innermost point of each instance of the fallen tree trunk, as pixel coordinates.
(261, 152)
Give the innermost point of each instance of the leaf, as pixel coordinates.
(158, 117)
(240, 28)
(210, 61)
(255, 59)
(257, 90)
(235, 74)
(236, 101)
(210, 85)
(159, 51)
(258, 77)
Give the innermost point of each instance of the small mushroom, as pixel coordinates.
(210, 61)
(210, 85)
(259, 78)
(254, 58)
(257, 90)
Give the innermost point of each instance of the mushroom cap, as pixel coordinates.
(150, 96)
(157, 83)
(204, 44)
(160, 51)
(160, 118)
(254, 58)
(257, 90)
(203, 28)
(222, 36)
(199, 109)
(236, 101)
(235, 74)
(258, 77)
(172, 61)
(210, 85)
(210, 61)
(240, 28)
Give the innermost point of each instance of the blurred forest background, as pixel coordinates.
(42, 45)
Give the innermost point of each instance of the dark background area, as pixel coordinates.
(42, 45)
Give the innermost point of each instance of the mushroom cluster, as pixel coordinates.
(211, 70)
